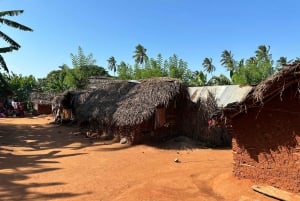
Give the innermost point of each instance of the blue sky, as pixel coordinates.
(192, 29)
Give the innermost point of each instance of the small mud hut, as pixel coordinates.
(139, 110)
(42, 102)
(266, 131)
(207, 99)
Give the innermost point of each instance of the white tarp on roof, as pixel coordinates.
(224, 94)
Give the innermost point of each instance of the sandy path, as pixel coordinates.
(39, 161)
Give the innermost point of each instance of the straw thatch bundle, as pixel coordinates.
(277, 83)
(123, 103)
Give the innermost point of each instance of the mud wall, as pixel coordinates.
(266, 143)
(194, 124)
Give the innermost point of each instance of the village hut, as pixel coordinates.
(138, 110)
(266, 131)
(207, 99)
(42, 102)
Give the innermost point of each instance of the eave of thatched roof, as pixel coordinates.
(265, 91)
(124, 103)
(277, 83)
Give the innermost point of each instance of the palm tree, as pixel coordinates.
(282, 61)
(262, 53)
(252, 60)
(208, 66)
(140, 56)
(228, 61)
(13, 45)
(112, 64)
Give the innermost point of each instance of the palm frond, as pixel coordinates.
(11, 12)
(9, 40)
(7, 49)
(3, 64)
(14, 24)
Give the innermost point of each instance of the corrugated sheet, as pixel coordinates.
(224, 94)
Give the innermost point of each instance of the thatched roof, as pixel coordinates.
(277, 83)
(44, 98)
(125, 103)
(97, 81)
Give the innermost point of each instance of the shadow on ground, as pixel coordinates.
(39, 146)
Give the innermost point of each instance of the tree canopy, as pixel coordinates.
(246, 71)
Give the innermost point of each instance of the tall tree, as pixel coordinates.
(178, 68)
(22, 86)
(264, 60)
(12, 45)
(84, 66)
(282, 61)
(262, 53)
(208, 65)
(112, 64)
(140, 56)
(125, 71)
(228, 61)
(56, 80)
(80, 59)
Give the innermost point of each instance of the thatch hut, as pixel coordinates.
(266, 131)
(207, 99)
(139, 110)
(42, 102)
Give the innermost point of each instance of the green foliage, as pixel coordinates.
(245, 71)
(252, 70)
(22, 86)
(55, 80)
(172, 67)
(5, 88)
(12, 45)
(219, 80)
(177, 68)
(140, 56)
(125, 71)
(83, 68)
(228, 62)
(198, 79)
(281, 62)
(83, 73)
(72, 78)
(137, 72)
(208, 65)
(81, 59)
(112, 64)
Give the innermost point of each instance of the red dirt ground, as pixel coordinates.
(42, 161)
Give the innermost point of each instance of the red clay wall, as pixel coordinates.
(266, 143)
